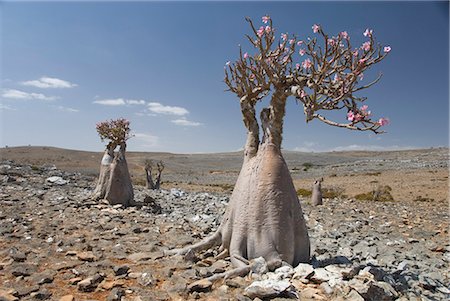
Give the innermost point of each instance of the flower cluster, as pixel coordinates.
(116, 130)
(323, 75)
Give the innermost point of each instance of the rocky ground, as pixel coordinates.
(57, 245)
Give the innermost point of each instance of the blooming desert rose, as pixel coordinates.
(264, 217)
(114, 183)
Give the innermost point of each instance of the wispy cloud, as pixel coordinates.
(144, 141)
(17, 94)
(307, 147)
(67, 109)
(49, 83)
(119, 102)
(185, 122)
(6, 108)
(158, 108)
(358, 147)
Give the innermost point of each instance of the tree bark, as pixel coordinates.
(149, 178)
(114, 182)
(251, 123)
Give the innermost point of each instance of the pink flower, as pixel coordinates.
(315, 28)
(383, 121)
(302, 52)
(260, 31)
(355, 53)
(330, 42)
(368, 32)
(364, 108)
(268, 29)
(291, 41)
(252, 76)
(307, 64)
(350, 116)
(303, 94)
(245, 55)
(284, 36)
(387, 49)
(363, 60)
(344, 35)
(358, 117)
(297, 66)
(265, 19)
(366, 46)
(299, 43)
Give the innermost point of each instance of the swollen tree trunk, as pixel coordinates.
(149, 177)
(264, 216)
(316, 197)
(114, 182)
(105, 173)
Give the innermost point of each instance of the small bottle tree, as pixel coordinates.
(149, 167)
(323, 73)
(114, 183)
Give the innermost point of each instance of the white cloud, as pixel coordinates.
(185, 122)
(158, 108)
(119, 102)
(6, 108)
(67, 109)
(357, 147)
(49, 82)
(144, 141)
(17, 94)
(135, 102)
(110, 102)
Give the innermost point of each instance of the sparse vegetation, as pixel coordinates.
(380, 194)
(304, 192)
(333, 192)
(307, 165)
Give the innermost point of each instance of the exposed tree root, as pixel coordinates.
(207, 243)
(240, 271)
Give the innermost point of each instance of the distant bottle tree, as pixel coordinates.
(150, 167)
(114, 183)
(322, 74)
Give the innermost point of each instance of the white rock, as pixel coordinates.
(321, 275)
(267, 288)
(303, 270)
(57, 180)
(285, 272)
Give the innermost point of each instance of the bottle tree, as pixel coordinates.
(114, 183)
(323, 73)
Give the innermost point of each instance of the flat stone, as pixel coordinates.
(303, 270)
(23, 270)
(320, 275)
(67, 298)
(7, 296)
(267, 288)
(86, 256)
(353, 296)
(202, 285)
(121, 270)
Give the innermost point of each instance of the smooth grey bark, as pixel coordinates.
(316, 198)
(114, 182)
(264, 216)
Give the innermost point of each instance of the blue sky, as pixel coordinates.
(66, 66)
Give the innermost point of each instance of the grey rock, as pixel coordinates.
(23, 270)
(43, 294)
(121, 270)
(116, 294)
(259, 266)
